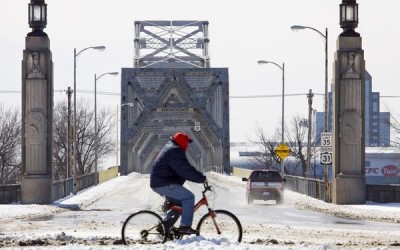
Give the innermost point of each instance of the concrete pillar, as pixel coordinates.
(37, 118)
(348, 122)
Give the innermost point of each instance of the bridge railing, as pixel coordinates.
(61, 188)
(217, 169)
(10, 193)
(309, 186)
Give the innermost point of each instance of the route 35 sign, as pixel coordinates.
(326, 158)
(326, 139)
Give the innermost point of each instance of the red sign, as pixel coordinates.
(372, 171)
(390, 170)
(386, 171)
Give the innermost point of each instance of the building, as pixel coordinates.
(173, 88)
(377, 127)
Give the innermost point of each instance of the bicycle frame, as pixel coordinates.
(201, 202)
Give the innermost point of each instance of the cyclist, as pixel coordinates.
(170, 171)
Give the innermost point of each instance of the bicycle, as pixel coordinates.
(147, 227)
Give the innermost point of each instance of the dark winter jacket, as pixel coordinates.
(172, 167)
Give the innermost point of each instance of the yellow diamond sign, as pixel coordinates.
(282, 151)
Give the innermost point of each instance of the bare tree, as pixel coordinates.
(266, 157)
(10, 146)
(60, 119)
(296, 139)
(296, 136)
(85, 144)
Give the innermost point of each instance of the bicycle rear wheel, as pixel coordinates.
(223, 225)
(143, 227)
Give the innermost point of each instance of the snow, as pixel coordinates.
(15, 232)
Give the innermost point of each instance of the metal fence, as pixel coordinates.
(309, 186)
(63, 188)
(10, 193)
(217, 169)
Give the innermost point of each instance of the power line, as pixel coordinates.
(269, 96)
(232, 96)
(98, 92)
(118, 94)
(10, 91)
(63, 90)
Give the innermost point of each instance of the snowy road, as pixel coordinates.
(93, 219)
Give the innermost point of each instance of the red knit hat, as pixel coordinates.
(182, 140)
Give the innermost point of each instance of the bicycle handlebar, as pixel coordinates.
(206, 187)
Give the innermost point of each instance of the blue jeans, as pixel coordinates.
(176, 192)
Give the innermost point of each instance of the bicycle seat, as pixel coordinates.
(168, 204)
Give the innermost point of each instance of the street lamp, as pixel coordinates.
(299, 27)
(349, 17)
(37, 17)
(95, 118)
(101, 48)
(283, 104)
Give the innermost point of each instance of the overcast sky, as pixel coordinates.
(241, 33)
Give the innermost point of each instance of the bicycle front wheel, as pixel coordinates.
(143, 227)
(223, 225)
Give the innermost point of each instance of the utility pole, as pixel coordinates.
(310, 97)
(69, 136)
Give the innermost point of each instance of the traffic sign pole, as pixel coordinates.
(326, 157)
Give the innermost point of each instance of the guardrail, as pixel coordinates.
(61, 188)
(383, 193)
(312, 187)
(308, 186)
(10, 193)
(241, 172)
(217, 169)
(108, 174)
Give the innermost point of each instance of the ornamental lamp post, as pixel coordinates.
(95, 118)
(349, 17)
(37, 16)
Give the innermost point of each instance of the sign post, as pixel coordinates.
(326, 157)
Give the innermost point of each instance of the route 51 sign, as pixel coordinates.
(326, 158)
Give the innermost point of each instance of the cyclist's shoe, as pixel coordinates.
(187, 230)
